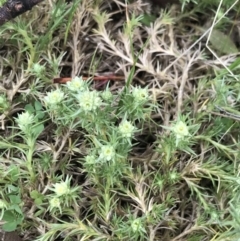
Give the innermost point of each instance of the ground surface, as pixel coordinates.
(165, 188)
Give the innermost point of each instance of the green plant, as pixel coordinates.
(11, 207)
(154, 157)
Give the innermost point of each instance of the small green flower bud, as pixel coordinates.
(89, 100)
(126, 129)
(136, 225)
(140, 95)
(180, 129)
(76, 84)
(25, 120)
(61, 189)
(107, 153)
(54, 98)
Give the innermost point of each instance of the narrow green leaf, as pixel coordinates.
(222, 42)
(147, 19)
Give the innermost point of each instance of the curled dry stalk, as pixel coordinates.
(184, 78)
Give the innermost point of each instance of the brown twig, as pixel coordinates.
(14, 8)
(94, 78)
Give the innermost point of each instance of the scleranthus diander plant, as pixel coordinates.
(107, 119)
(108, 122)
(63, 196)
(82, 164)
